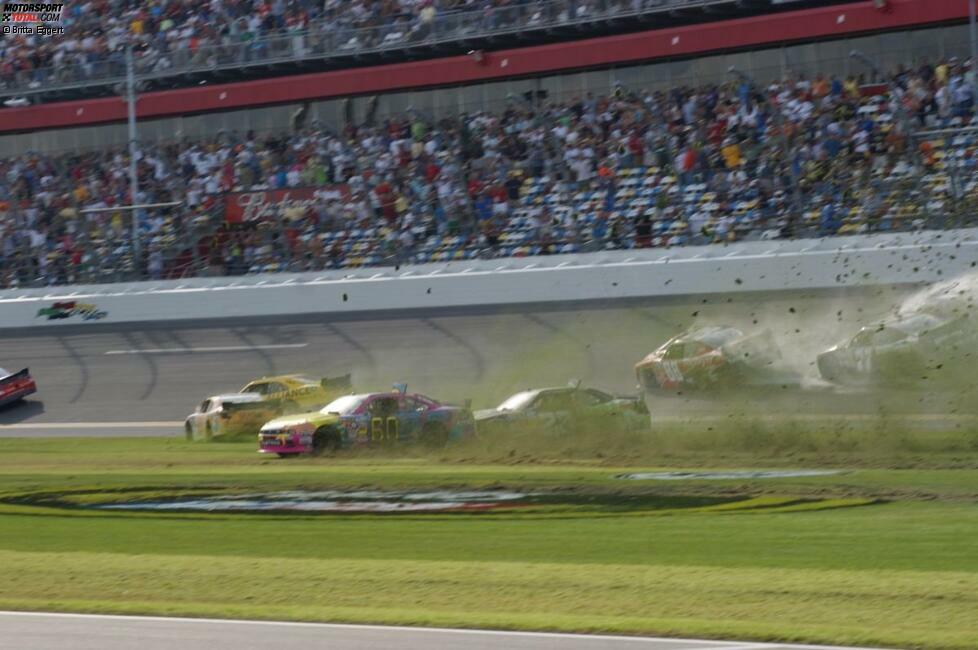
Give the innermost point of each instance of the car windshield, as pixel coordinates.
(517, 401)
(343, 405)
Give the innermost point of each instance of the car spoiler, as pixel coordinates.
(23, 374)
(337, 383)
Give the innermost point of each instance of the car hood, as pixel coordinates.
(300, 418)
(651, 359)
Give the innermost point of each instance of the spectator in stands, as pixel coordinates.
(631, 169)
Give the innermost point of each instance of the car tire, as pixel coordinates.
(188, 432)
(326, 439)
(434, 435)
(208, 433)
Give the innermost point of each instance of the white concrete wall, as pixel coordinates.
(737, 268)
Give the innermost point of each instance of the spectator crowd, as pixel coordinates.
(815, 156)
(176, 33)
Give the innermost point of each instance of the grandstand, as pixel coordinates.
(797, 140)
(178, 44)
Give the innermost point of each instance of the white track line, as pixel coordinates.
(857, 417)
(92, 425)
(705, 644)
(220, 348)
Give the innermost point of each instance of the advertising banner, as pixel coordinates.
(242, 207)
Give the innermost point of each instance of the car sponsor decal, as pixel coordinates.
(70, 309)
(326, 501)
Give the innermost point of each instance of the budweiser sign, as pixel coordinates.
(240, 207)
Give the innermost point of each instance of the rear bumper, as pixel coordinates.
(14, 395)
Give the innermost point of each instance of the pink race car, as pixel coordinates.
(367, 419)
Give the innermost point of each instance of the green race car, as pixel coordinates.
(565, 410)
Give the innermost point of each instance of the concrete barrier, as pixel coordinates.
(818, 264)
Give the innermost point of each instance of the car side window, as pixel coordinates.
(259, 388)
(383, 407)
(551, 402)
(414, 405)
(598, 396)
(275, 387)
(584, 399)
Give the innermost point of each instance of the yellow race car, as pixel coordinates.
(298, 393)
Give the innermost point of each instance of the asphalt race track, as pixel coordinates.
(21, 631)
(125, 380)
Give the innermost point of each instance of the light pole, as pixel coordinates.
(785, 149)
(133, 172)
(973, 29)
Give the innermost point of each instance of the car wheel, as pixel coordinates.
(326, 439)
(208, 433)
(188, 432)
(433, 435)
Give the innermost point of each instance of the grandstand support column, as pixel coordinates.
(785, 148)
(133, 172)
(973, 32)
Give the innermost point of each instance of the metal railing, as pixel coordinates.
(334, 39)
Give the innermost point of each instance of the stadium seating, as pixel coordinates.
(175, 37)
(638, 169)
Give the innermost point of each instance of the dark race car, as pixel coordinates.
(713, 357)
(15, 386)
(562, 410)
(904, 351)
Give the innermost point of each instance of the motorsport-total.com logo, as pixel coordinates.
(32, 18)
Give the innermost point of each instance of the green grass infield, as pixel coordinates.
(879, 554)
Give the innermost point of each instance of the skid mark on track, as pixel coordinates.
(371, 362)
(480, 361)
(265, 356)
(154, 371)
(559, 331)
(82, 367)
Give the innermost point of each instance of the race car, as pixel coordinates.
(225, 415)
(904, 350)
(561, 410)
(15, 386)
(297, 393)
(367, 419)
(710, 357)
